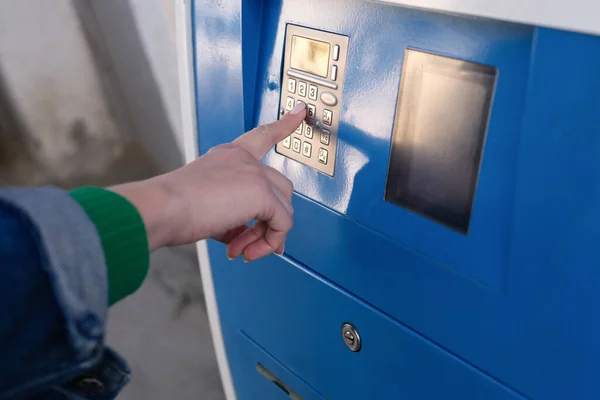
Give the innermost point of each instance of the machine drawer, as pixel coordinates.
(261, 376)
(298, 317)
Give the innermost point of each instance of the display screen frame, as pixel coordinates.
(299, 59)
(452, 210)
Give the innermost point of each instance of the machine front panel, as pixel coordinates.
(454, 222)
(366, 158)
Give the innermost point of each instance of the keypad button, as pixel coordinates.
(291, 85)
(289, 104)
(312, 92)
(306, 149)
(286, 142)
(327, 117)
(323, 153)
(334, 72)
(325, 135)
(308, 131)
(312, 110)
(299, 129)
(336, 52)
(329, 99)
(296, 145)
(302, 89)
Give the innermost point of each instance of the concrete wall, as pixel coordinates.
(137, 37)
(50, 76)
(156, 23)
(83, 76)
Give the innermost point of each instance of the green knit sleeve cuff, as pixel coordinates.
(123, 237)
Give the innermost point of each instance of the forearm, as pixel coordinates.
(156, 205)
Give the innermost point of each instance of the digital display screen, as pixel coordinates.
(441, 120)
(310, 56)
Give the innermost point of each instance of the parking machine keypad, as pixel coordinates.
(314, 143)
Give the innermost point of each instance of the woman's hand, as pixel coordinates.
(218, 194)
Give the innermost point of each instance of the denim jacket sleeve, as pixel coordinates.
(53, 301)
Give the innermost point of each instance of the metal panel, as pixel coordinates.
(575, 15)
(298, 317)
(519, 295)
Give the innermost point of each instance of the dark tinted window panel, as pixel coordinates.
(441, 120)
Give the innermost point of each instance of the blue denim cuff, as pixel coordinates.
(75, 264)
(69, 252)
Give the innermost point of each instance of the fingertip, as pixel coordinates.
(235, 249)
(237, 246)
(257, 250)
(298, 108)
(280, 249)
(229, 254)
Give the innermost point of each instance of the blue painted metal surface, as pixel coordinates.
(509, 311)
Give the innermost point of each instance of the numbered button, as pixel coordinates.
(312, 110)
(308, 131)
(306, 149)
(325, 137)
(302, 89)
(286, 142)
(323, 155)
(299, 129)
(312, 92)
(327, 117)
(296, 145)
(291, 85)
(289, 104)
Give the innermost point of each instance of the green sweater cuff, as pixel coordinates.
(123, 237)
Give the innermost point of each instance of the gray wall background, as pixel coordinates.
(89, 95)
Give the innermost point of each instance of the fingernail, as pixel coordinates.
(281, 253)
(298, 108)
(230, 258)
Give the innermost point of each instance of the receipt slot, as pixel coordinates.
(447, 196)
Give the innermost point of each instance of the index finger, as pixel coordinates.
(261, 139)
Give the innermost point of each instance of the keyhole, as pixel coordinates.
(351, 337)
